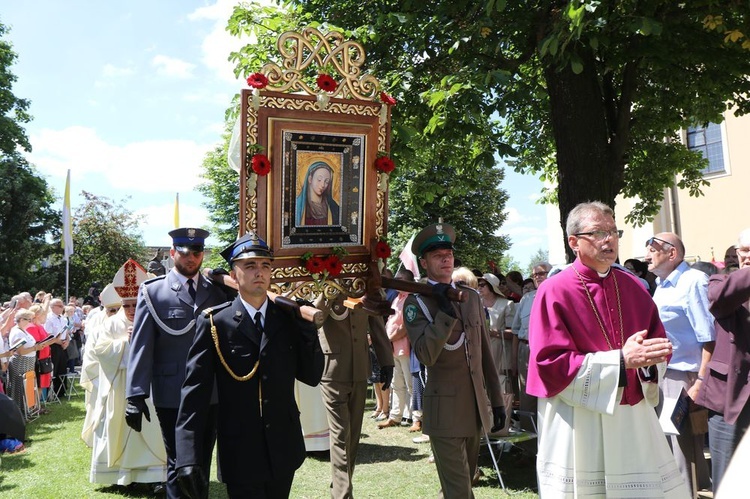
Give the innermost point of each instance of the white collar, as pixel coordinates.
(183, 279)
(252, 310)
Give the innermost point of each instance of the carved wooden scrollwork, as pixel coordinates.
(307, 54)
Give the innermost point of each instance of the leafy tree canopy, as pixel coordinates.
(13, 111)
(105, 235)
(592, 93)
(26, 217)
(446, 168)
(221, 190)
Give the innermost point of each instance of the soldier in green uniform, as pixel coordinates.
(463, 392)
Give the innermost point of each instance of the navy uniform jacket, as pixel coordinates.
(159, 346)
(251, 446)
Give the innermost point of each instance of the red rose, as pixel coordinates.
(314, 265)
(387, 99)
(261, 165)
(333, 265)
(257, 80)
(326, 83)
(382, 250)
(384, 164)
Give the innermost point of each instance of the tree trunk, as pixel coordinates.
(579, 123)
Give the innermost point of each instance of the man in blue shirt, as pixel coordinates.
(520, 349)
(682, 299)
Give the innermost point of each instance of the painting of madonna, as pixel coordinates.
(315, 204)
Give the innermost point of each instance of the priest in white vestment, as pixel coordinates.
(90, 364)
(312, 417)
(119, 454)
(598, 350)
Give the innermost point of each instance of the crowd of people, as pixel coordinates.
(41, 339)
(588, 354)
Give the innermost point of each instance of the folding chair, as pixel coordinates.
(31, 404)
(515, 437)
(70, 383)
(52, 394)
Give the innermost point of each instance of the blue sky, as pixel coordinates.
(131, 95)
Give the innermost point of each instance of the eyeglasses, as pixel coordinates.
(653, 239)
(482, 284)
(540, 274)
(743, 251)
(188, 252)
(601, 235)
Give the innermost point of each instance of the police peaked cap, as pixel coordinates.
(247, 246)
(188, 237)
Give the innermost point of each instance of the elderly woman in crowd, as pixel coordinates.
(499, 310)
(23, 362)
(464, 275)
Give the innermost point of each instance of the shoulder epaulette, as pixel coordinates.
(154, 279)
(210, 310)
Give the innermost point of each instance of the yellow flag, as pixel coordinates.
(177, 211)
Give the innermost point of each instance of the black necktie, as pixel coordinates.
(259, 324)
(191, 289)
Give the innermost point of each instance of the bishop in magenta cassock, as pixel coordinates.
(598, 350)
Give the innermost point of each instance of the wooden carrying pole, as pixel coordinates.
(421, 288)
(306, 312)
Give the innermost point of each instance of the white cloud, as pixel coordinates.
(218, 44)
(111, 73)
(535, 196)
(172, 67)
(204, 96)
(159, 220)
(526, 232)
(534, 242)
(149, 166)
(514, 217)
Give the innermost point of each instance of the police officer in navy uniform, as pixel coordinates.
(163, 331)
(462, 394)
(254, 350)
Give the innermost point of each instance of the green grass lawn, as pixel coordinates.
(389, 465)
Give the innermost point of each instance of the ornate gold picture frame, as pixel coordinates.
(323, 194)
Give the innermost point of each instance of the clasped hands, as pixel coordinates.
(640, 351)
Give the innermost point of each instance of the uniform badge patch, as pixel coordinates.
(410, 313)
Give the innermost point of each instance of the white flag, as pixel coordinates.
(67, 220)
(408, 258)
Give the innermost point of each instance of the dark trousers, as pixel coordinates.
(167, 422)
(59, 367)
(276, 489)
(723, 439)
